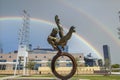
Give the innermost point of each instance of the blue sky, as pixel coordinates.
(95, 20)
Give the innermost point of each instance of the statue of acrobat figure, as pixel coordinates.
(53, 38)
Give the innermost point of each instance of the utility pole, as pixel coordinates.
(23, 46)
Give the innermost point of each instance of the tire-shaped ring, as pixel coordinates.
(73, 67)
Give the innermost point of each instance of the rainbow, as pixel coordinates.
(50, 23)
(92, 19)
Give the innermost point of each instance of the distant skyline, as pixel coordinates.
(95, 21)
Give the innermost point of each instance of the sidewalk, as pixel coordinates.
(9, 77)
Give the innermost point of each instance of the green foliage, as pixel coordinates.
(49, 63)
(77, 61)
(107, 63)
(30, 65)
(80, 77)
(115, 66)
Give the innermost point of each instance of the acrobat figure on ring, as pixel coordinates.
(56, 42)
(59, 44)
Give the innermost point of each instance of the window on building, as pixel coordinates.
(37, 66)
(2, 67)
(22, 46)
(44, 56)
(68, 60)
(0, 56)
(35, 56)
(9, 56)
(19, 67)
(14, 66)
(38, 60)
(57, 63)
(14, 60)
(68, 63)
(49, 60)
(3, 60)
(80, 57)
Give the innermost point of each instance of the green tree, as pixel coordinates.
(107, 63)
(115, 66)
(30, 65)
(49, 63)
(107, 66)
(78, 64)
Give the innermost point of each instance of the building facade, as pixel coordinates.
(41, 57)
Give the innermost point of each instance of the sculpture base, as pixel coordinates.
(73, 69)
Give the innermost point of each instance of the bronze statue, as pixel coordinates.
(54, 40)
(62, 40)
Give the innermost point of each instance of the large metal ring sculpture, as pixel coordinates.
(73, 70)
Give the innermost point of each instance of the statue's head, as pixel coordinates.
(55, 30)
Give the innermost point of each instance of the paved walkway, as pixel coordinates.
(42, 78)
(15, 78)
(9, 77)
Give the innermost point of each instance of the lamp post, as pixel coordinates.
(119, 29)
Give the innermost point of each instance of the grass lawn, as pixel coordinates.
(77, 77)
(96, 77)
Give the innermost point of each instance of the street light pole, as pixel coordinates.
(119, 29)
